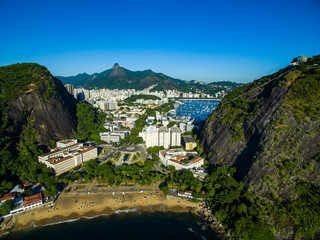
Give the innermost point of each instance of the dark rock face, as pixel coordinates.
(53, 118)
(276, 148)
(117, 71)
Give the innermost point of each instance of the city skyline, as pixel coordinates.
(190, 40)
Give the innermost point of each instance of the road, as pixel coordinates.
(95, 187)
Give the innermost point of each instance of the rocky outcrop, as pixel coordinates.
(265, 130)
(50, 109)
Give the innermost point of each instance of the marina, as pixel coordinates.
(199, 110)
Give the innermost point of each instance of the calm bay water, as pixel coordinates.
(162, 226)
(197, 109)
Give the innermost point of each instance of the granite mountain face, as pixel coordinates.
(270, 131)
(32, 96)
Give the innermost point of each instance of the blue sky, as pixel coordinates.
(202, 40)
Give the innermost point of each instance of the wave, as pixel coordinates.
(127, 210)
(193, 231)
(101, 215)
(33, 224)
(60, 222)
(6, 233)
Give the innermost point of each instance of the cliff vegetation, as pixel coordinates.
(35, 110)
(269, 130)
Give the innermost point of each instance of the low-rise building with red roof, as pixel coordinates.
(180, 159)
(32, 201)
(7, 196)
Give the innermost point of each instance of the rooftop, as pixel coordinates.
(55, 161)
(32, 199)
(67, 141)
(196, 160)
(49, 153)
(189, 139)
(73, 145)
(181, 163)
(7, 196)
(86, 149)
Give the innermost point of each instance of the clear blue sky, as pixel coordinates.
(202, 40)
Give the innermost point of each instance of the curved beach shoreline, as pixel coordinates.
(70, 206)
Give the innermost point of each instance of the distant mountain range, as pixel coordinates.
(121, 78)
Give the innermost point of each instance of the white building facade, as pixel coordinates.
(163, 136)
(64, 159)
(179, 158)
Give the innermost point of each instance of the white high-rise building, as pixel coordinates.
(163, 136)
(182, 127)
(175, 136)
(69, 88)
(150, 136)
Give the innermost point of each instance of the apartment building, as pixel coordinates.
(163, 136)
(175, 136)
(64, 159)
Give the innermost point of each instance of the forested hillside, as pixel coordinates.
(269, 130)
(36, 110)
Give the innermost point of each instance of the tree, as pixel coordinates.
(28, 192)
(196, 185)
(165, 190)
(51, 191)
(5, 186)
(199, 148)
(248, 229)
(6, 207)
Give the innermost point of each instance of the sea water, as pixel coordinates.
(196, 109)
(131, 225)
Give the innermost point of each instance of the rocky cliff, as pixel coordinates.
(270, 131)
(38, 99)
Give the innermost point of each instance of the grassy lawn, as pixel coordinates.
(139, 162)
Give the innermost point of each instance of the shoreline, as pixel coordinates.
(70, 207)
(84, 206)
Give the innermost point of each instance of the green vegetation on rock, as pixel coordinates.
(19, 79)
(144, 97)
(90, 123)
(272, 125)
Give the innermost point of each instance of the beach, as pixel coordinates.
(73, 205)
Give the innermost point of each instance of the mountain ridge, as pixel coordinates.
(120, 78)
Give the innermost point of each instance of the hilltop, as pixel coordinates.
(121, 78)
(35, 110)
(30, 94)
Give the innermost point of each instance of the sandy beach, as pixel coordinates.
(73, 206)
